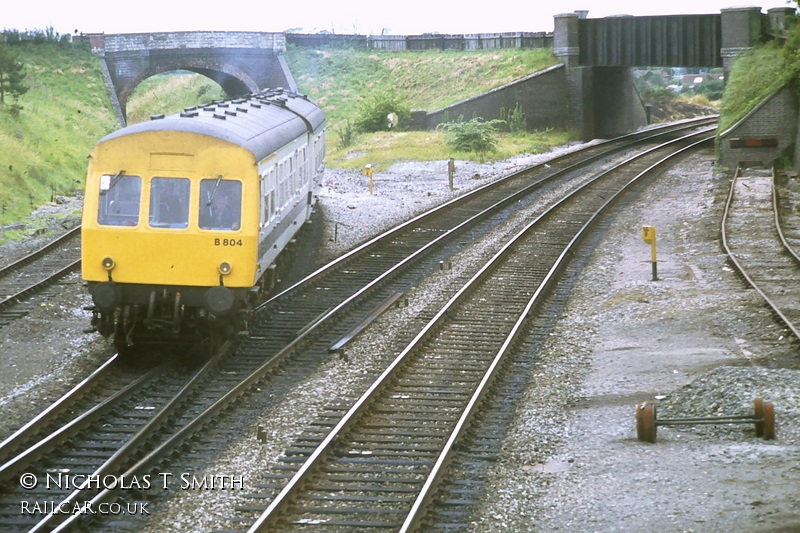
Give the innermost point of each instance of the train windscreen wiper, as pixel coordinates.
(112, 182)
(213, 191)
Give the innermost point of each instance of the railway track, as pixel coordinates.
(62, 411)
(428, 241)
(30, 274)
(424, 231)
(378, 466)
(292, 336)
(755, 243)
(155, 410)
(91, 431)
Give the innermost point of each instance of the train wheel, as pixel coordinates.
(122, 347)
(216, 338)
(128, 353)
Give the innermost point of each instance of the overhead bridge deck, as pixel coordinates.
(679, 41)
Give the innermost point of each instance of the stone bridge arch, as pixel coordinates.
(240, 62)
(233, 81)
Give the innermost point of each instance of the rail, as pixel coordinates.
(49, 263)
(290, 491)
(742, 270)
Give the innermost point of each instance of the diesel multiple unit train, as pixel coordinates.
(185, 216)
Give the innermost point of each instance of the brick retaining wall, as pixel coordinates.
(541, 96)
(773, 118)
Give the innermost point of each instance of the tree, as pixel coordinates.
(12, 74)
(791, 49)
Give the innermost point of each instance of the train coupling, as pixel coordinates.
(164, 310)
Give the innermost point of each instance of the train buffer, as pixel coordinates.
(763, 419)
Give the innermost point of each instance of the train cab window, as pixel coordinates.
(119, 199)
(169, 203)
(220, 204)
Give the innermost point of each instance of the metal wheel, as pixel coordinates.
(758, 403)
(649, 423)
(769, 421)
(640, 421)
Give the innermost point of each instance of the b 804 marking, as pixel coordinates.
(228, 242)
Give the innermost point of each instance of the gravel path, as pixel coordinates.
(696, 342)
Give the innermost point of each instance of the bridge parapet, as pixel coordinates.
(127, 42)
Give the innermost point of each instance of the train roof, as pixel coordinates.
(261, 122)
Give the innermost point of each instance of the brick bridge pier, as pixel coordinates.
(600, 53)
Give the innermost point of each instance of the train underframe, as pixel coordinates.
(159, 315)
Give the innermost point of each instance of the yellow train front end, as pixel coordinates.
(170, 234)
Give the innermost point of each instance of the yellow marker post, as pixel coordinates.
(368, 173)
(649, 236)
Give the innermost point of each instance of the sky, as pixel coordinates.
(403, 17)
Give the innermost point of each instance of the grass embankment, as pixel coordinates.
(65, 111)
(170, 93)
(45, 144)
(338, 79)
(755, 75)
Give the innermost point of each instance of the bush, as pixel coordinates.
(650, 82)
(517, 121)
(381, 111)
(347, 133)
(477, 135)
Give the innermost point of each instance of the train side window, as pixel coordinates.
(304, 168)
(119, 200)
(273, 186)
(272, 203)
(282, 183)
(169, 203)
(220, 204)
(262, 190)
(293, 173)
